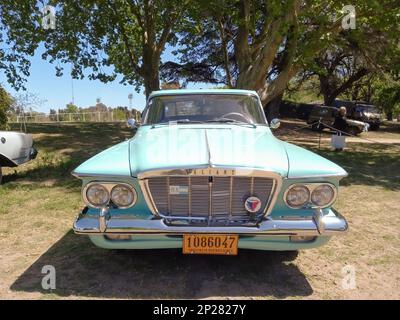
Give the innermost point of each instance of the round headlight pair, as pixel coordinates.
(299, 196)
(99, 195)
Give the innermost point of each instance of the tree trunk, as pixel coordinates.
(329, 99)
(324, 88)
(151, 81)
(151, 65)
(277, 87)
(272, 108)
(330, 93)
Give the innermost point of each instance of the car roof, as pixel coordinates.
(202, 91)
(324, 107)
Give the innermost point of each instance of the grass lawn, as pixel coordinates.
(39, 200)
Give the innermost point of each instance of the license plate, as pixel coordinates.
(210, 244)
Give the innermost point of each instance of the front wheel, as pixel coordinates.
(374, 127)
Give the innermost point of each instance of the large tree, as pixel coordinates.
(261, 45)
(100, 39)
(353, 61)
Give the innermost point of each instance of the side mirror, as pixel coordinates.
(132, 123)
(275, 123)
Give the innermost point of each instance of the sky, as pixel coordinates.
(56, 92)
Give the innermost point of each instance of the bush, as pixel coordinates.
(5, 104)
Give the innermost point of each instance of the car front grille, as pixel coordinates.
(210, 200)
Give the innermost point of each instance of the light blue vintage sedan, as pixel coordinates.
(205, 173)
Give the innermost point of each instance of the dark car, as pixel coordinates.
(289, 109)
(322, 117)
(361, 111)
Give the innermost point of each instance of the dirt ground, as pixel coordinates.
(39, 200)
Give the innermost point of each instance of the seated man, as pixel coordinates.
(340, 120)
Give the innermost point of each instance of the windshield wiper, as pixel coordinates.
(187, 121)
(228, 120)
(180, 121)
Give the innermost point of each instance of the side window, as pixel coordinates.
(144, 115)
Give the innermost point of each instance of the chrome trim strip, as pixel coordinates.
(208, 148)
(230, 198)
(168, 196)
(190, 196)
(333, 223)
(182, 218)
(98, 175)
(103, 217)
(144, 185)
(272, 196)
(318, 219)
(210, 195)
(319, 176)
(206, 170)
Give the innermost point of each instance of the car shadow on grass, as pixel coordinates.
(84, 270)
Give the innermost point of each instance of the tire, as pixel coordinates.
(374, 127)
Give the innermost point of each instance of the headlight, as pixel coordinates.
(322, 195)
(297, 196)
(97, 195)
(123, 196)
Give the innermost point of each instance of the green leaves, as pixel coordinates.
(101, 39)
(5, 104)
(257, 44)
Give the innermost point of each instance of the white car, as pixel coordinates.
(15, 149)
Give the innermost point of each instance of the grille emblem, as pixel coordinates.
(252, 204)
(178, 190)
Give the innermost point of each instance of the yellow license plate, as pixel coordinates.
(210, 244)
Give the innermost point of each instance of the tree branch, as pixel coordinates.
(348, 83)
(242, 42)
(125, 39)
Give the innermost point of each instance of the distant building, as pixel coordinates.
(170, 85)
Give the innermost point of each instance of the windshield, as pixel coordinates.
(367, 108)
(204, 108)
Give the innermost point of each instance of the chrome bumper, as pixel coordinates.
(327, 224)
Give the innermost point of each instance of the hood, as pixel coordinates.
(189, 146)
(110, 162)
